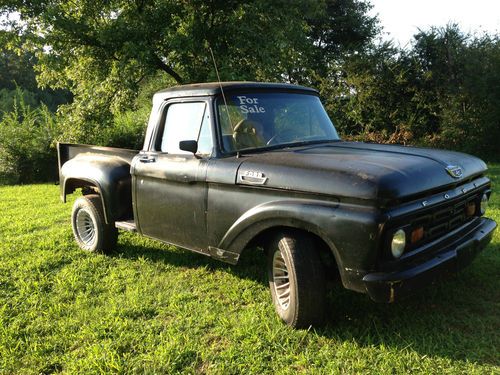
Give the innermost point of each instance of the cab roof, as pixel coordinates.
(214, 88)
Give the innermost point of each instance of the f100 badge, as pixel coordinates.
(252, 178)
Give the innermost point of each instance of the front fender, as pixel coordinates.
(304, 214)
(352, 231)
(110, 175)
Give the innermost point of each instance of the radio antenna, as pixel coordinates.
(221, 89)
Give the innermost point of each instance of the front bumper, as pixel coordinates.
(389, 286)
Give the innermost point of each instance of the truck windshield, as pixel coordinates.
(256, 120)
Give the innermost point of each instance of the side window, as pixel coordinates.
(185, 122)
(205, 136)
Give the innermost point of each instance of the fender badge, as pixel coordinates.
(252, 177)
(454, 171)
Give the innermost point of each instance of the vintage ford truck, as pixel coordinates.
(239, 165)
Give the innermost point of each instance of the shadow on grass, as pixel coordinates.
(251, 265)
(457, 319)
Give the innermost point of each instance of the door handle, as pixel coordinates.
(147, 159)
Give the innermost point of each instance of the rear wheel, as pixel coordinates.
(89, 225)
(296, 280)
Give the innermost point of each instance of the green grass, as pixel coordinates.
(151, 308)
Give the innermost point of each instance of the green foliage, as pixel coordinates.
(127, 131)
(17, 70)
(113, 55)
(443, 92)
(462, 77)
(9, 98)
(103, 50)
(16, 67)
(27, 143)
(28, 137)
(152, 308)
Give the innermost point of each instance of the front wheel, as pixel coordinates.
(89, 225)
(296, 280)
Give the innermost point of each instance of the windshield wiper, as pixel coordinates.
(283, 146)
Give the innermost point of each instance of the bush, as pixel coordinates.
(443, 92)
(27, 144)
(9, 98)
(127, 130)
(28, 138)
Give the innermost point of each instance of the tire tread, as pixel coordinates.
(107, 239)
(308, 271)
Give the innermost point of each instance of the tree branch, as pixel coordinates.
(161, 65)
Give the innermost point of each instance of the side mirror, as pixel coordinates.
(190, 146)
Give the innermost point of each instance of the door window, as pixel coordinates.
(187, 122)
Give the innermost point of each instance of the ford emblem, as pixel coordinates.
(454, 171)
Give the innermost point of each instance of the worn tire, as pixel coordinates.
(89, 226)
(293, 258)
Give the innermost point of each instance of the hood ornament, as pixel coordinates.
(454, 171)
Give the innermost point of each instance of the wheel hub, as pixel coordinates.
(281, 280)
(85, 227)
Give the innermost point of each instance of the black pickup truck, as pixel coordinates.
(232, 166)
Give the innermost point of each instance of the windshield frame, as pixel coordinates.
(219, 100)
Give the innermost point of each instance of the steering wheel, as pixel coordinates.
(281, 136)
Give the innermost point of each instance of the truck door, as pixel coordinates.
(170, 188)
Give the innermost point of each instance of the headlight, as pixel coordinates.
(484, 203)
(398, 243)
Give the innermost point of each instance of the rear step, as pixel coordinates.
(128, 225)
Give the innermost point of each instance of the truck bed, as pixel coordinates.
(67, 151)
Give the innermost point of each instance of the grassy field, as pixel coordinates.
(151, 308)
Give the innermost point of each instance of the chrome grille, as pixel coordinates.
(444, 218)
(435, 216)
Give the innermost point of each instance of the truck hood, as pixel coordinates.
(359, 170)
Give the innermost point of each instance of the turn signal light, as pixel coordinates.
(417, 234)
(470, 209)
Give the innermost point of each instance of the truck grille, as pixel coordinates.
(436, 220)
(443, 219)
(432, 221)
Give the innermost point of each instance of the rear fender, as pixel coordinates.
(109, 175)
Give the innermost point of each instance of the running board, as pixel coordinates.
(128, 225)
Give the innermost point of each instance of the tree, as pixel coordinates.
(443, 92)
(375, 95)
(341, 29)
(460, 79)
(102, 50)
